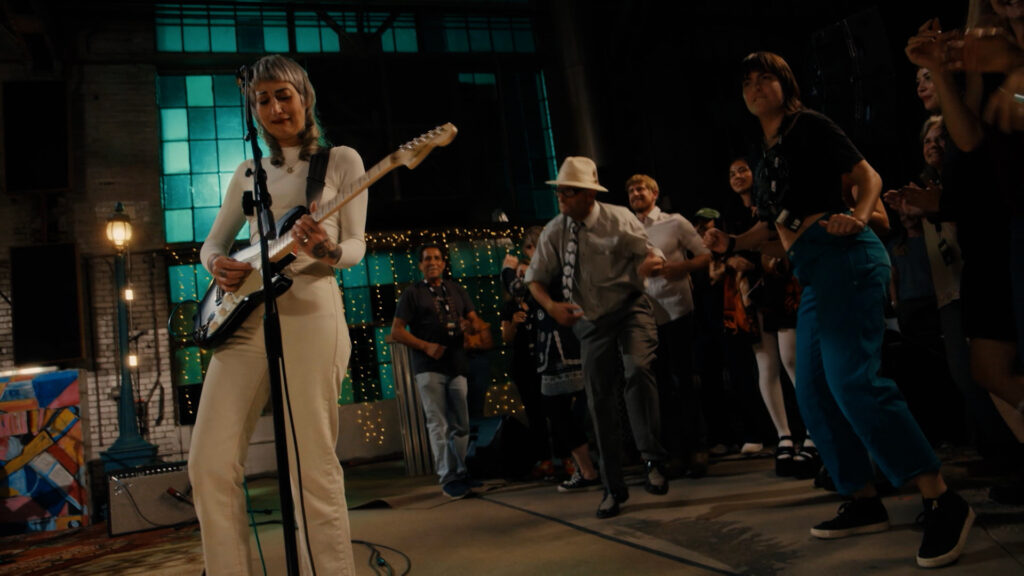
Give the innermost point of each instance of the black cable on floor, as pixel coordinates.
(379, 564)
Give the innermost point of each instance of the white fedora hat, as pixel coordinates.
(578, 172)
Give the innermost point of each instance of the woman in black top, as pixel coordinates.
(854, 415)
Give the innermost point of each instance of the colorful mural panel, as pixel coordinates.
(42, 460)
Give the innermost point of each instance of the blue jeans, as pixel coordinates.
(444, 405)
(853, 413)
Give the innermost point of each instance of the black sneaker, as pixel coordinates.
(860, 516)
(947, 521)
(655, 482)
(578, 483)
(456, 489)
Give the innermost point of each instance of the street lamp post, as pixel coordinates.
(130, 449)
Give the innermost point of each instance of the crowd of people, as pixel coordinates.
(813, 271)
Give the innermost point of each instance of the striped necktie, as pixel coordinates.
(569, 260)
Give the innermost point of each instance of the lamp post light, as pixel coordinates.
(130, 449)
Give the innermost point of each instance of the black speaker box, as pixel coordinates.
(149, 498)
(498, 448)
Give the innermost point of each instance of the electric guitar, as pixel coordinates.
(220, 313)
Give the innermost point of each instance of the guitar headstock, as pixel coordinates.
(414, 151)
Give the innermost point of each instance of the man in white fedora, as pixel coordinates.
(587, 272)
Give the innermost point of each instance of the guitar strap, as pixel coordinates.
(317, 171)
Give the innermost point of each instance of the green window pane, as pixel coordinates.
(461, 260)
(485, 79)
(197, 38)
(226, 91)
(176, 192)
(176, 158)
(346, 397)
(502, 39)
(201, 124)
(405, 40)
(406, 269)
(524, 41)
(275, 38)
(387, 41)
(381, 334)
(250, 37)
(243, 234)
(387, 382)
(199, 90)
(480, 40)
(356, 275)
(174, 124)
(230, 153)
(168, 38)
(178, 226)
(229, 123)
(188, 366)
(183, 282)
(307, 39)
(379, 266)
(206, 191)
(487, 257)
(203, 156)
(204, 218)
(222, 39)
(329, 40)
(465, 78)
(456, 40)
(171, 92)
(203, 278)
(357, 305)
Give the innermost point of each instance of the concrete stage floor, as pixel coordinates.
(740, 519)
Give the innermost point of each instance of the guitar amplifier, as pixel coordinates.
(149, 498)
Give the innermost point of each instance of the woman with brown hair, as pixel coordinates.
(855, 415)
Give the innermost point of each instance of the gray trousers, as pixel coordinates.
(624, 339)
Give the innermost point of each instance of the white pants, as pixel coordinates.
(316, 352)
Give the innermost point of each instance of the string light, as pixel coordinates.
(370, 291)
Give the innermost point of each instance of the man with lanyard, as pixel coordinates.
(438, 313)
(671, 294)
(602, 254)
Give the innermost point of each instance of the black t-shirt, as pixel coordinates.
(428, 318)
(806, 167)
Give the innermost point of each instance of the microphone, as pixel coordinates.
(177, 495)
(243, 75)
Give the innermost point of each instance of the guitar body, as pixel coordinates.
(220, 313)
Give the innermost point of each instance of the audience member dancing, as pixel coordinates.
(684, 431)
(601, 253)
(854, 414)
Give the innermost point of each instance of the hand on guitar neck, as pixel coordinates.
(312, 239)
(229, 273)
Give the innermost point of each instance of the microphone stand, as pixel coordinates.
(271, 331)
